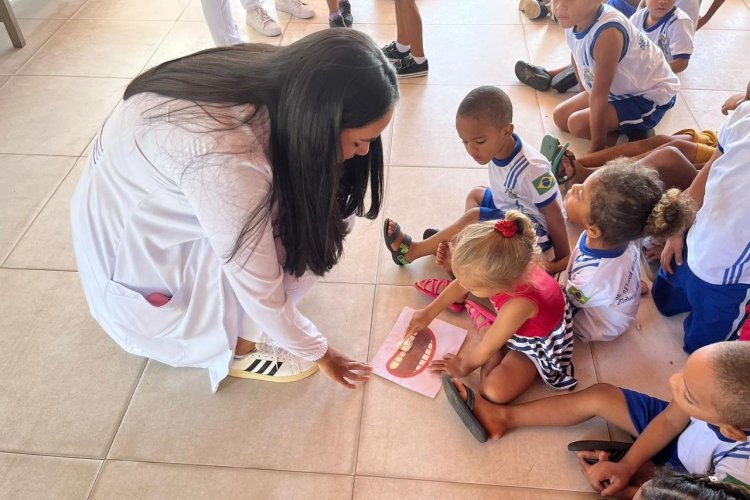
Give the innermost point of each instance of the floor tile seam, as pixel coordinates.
(364, 389)
(71, 456)
(13, 268)
(117, 430)
(467, 483)
(44, 44)
(156, 49)
(36, 216)
(690, 110)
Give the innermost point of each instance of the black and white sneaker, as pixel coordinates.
(272, 364)
(393, 54)
(409, 68)
(346, 12)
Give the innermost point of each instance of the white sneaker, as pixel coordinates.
(263, 23)
(273, 364)
(296, 8)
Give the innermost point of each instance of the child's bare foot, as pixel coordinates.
(644, 288)
(443, 256)
(573, 170)
(398, 243)
(490, 415)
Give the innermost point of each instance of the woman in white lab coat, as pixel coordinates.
(218, 191)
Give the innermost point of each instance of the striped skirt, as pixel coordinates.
(552, 355)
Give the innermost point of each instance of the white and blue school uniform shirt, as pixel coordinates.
(690, 7)
(719, 240)
(702, 449)
(642, 70)
(524, 181)
(604, 289)
(673, 33)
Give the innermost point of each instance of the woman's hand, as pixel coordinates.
(340, 368)
(450, 364)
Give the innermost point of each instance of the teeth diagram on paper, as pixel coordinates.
(413, 355)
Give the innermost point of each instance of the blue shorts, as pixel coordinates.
(642, 409)
(488, 211)
(634, 113)
(716, 312)
(623, 6)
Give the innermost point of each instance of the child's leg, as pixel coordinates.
(409, 24)
(633, 149)
(674, 169)
(600, 400)
(579, 122)
(333, 6)
(565, 109)
(510, 376)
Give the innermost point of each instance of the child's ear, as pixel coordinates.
(509, 128)
(733, 432)
(594, 231)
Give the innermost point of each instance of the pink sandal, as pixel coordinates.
(432, 287)
(480, 317)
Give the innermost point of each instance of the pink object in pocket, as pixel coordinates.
(158, 299)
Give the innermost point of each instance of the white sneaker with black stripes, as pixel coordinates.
(273, 364)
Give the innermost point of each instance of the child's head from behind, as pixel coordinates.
(668, 484)
(657, 9)
(494, 256)
(714, 386)
(580, 13)
(484, 122)
(624, 201)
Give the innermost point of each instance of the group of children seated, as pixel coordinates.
(652, 195)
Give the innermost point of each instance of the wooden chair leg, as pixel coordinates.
(11, 24)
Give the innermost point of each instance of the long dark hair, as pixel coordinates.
(328, 81)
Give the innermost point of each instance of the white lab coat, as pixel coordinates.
(158, 209)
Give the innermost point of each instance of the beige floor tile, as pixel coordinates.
(376, 488)
(418, 198)
(36, 32)
(297, 31)
(46, 9)
(194, 12)
(649, 356)
(383, 34)
(309, 426)
(28, 182)
(547, 103)
(478, 12)
(706, 106)
(677, 118)
(359, 263)
(425, 124)
(733, 15)
(160, 481)
(3, 79)
(141, 10)
(476, 60)
(380, 12)
(67, 384)
(402, 430)
(32, 476)
(547, 46)
(706, 72)
(50, 230)
(64, 122)
(98, 48)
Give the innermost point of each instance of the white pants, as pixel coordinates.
(220, 22)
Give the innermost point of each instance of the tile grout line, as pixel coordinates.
(117, 431)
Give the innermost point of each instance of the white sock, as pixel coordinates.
(419, 60)
(402, 48)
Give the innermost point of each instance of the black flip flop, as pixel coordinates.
(534, 76)
(616, 449)
(396, 255)
(464, 409)
(430, 231)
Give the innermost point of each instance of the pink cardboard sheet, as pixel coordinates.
(410, 367)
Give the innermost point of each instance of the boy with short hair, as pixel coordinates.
(520, 179)
(704, 429)
(669, 28)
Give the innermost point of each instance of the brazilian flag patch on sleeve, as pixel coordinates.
(544, 183)
(577, 295)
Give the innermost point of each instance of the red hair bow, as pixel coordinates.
(508, 228)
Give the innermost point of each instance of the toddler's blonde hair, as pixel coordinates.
(501, 262)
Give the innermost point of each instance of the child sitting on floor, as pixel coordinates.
(669, 28)
(520, 179)
(618, 204)
(703, 430)
(628, 85)
(499, 260)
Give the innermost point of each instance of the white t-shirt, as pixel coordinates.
(524, 181)
(604, 288)
(673, 34)
(719, 240)
(642, 69)
(158, 209)
(702, 449)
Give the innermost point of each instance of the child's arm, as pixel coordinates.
(511, 316)
(658, 434)
(607, 52)
(679, 65)
(423, 317)
(559, 236)
(702, 20)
